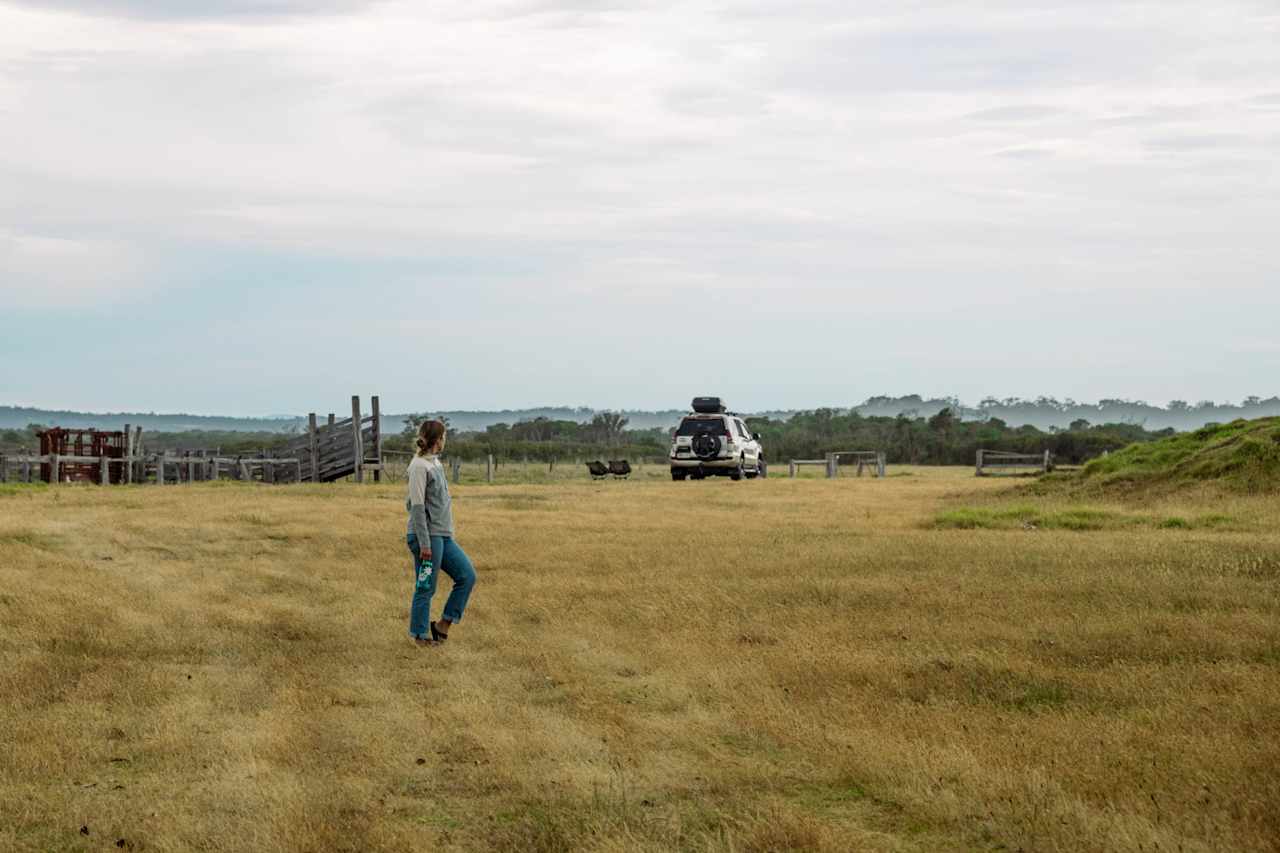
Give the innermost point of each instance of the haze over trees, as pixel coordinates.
(1043, 412)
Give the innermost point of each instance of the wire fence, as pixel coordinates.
(517, 471)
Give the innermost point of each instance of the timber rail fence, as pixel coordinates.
(1000, 461)
(158, 468)
(872, 460)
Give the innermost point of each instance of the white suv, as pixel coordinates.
(711, 441)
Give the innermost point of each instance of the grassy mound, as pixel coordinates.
(1242, 456)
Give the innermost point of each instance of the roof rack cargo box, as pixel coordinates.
(708, 405)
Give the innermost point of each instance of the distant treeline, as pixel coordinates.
(1050, 413)
(942, 438)
(1043, 412)
(18, 417)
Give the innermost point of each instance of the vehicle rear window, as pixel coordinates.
(693, 426)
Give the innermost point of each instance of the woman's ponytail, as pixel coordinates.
(429, 435)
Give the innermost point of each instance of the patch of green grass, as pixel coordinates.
(975, 682)
(834, 795)
(254, 519)
(440, 821)
(30, 538)
(1078, 518)
(1029, 517)
(13, 490)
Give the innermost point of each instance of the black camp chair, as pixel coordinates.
(619, 468)
(598, 470)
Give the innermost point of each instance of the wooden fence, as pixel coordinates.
(990, 461)
(158, 468)
(872, 460)
(796, 463)
(350, 447)
(341, 448)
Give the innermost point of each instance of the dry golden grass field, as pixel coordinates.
(926, 662)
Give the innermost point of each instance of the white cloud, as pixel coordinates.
(56, 272)
(801, 154)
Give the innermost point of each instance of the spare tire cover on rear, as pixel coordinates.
(706, 445)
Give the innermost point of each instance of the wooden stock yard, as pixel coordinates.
(340, 448)
(328, 452)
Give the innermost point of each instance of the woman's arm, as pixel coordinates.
(418, 477)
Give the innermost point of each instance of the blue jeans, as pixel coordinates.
(446, 556)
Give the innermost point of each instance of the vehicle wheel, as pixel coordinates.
(763, 468)
(736, 473)
(677, 475)
(706, 446)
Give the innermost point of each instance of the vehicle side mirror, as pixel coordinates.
(755, 436)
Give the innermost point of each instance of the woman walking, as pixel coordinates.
(430, 539)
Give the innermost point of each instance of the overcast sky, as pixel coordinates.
(264, 207)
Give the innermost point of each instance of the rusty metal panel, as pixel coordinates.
(82, 442)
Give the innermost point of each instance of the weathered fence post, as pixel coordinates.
(357, 443)
(315, 452)
(191, 468)
(141, 472)
(244, 471)
(268, 471)
(881, 458)
(26, 469)
(488, 468)
(4, 469)
(1048, 461)
(159, 469)
(126, 473)
(792, 465)
(833, 466)
(53, 468)
(377, 437)
(456, 464)
(979, 474)
(104, 477)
